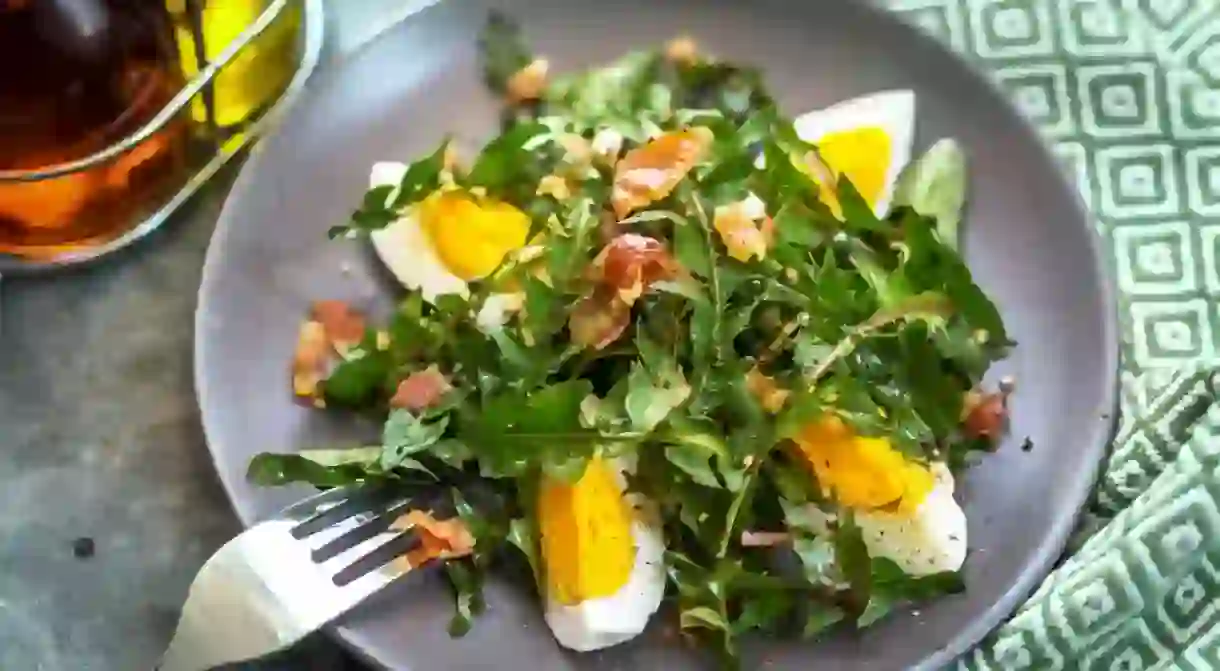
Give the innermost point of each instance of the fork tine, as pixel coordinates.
(398, 544)
(309, 507)
(358, 529)
(357, 502)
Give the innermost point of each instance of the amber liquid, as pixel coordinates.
(77, 76)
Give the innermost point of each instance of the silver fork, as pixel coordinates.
(286, 577)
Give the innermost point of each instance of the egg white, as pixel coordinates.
(892, 111)
(599, 623)
(404, 247)
(931, 540)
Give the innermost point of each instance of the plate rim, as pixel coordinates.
(1056, 540)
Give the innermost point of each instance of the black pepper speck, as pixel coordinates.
(83, 547)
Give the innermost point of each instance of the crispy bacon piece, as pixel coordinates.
(343, 324)
(682, 50)
(650, 172)
(770, 395)
(631, 262)
(623, 271)
(333, 328)
(599, 319)
(310, 362)
(421, 390)
(529, 82)
(439, 539)
(985, 415)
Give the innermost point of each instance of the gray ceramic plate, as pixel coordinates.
(1029, 243)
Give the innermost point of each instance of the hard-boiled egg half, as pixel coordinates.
(447, 240)
(866, 139)
(603, 573)
(905, 509)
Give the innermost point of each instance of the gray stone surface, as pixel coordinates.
(99, 438)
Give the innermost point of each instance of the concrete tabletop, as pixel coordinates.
(100, 440)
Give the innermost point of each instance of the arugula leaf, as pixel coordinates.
(702, 617)
(506, 168)
(420, 179)
(857, 213)
(935, 186)
(820, 618)
(932, 266)
(764, 609)
(360, 380)
(523, 535)
(694, 462)
(467, 582)
(819, 559)
(502, 50)
(405, 434)
(570, 249)
(691, 249)
(654, 389)
(928, 307)
(935, 395)
(274, 470)
(796, 224)
(891, 587)
(511, 431)
(851, 557)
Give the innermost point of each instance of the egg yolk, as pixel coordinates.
(471, 237)
(860, 472)
(587, 547)
(863, 156)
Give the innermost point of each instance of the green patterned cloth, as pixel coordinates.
(1128, 93)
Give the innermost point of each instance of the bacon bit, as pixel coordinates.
(599, 319)
(555, 187)
(528, 83)
(421, 390)
(682, 50)
(742, 234)
(344, 326)
(310, 361)
(577, 152)
(438, 539)
(632, 262)
(769, 394)
(650, 172)
(764, 539)
(985, 415)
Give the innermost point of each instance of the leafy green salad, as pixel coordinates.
(660, 344)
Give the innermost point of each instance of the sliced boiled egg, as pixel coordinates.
(447, 240)
(905, 509)
(929, 539)
(867, 139)
(603, 573)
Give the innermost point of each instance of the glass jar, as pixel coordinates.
(131, 105)
(96, 71)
